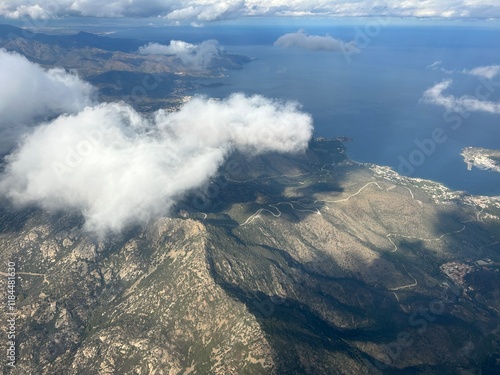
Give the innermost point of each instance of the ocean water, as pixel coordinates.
(376, 100)
(373, 97)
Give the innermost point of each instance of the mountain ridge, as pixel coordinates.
(275, 274)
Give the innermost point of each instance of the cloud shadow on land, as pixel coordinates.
(12, 220)
(119, 167)
(271, 181)
(293, 326)
(429, 328)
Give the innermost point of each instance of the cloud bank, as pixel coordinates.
(195, 55)
(207, 11)
(436, 95)
(213, 10)
(30, 93)
(314, 42)
(118, 167)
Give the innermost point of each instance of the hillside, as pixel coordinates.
(305, 264)
(113, 65)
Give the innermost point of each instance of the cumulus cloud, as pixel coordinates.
(195, 55)
(314, 42)
(30, 93)
(118, 167)
(466, 103)
(213, 10)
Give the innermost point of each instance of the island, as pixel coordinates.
(482, 158)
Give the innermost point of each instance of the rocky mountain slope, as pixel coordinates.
(306, 264)
(113, 65)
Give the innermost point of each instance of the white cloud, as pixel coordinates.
(435, 65)
(207, 11)
(438, 65)
(488, 72)
(30, 93)
(196, 55)
(31, 11)
(435, 95)
(212, 10)
(314, 42)
(118, 167)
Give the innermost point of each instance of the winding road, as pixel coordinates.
(277, 213)
(259, 211)
(421, 239)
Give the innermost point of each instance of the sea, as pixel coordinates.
(373, 97)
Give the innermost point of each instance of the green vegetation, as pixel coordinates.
(299, 265)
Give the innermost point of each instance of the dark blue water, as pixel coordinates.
(373, 97)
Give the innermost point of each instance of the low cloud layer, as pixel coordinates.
(436, 95)
(30, 94)
(213, 10)
(118, 167)
(314, 42)
(194, 55)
